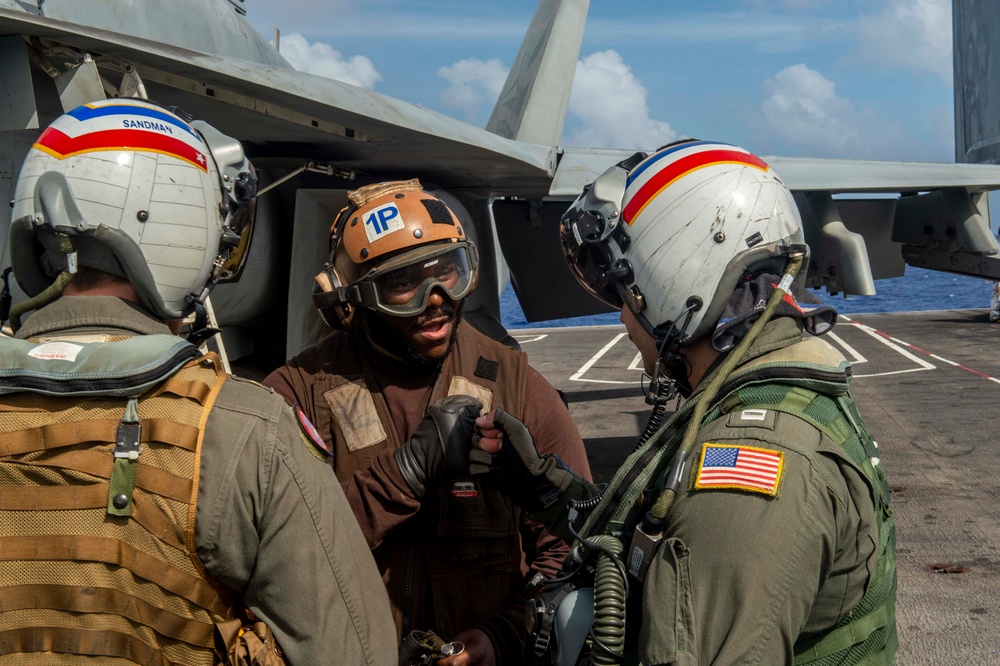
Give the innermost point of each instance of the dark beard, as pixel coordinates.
(384, 340)
(445, 310)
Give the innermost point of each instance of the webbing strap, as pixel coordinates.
(212, 360)
(52, 498)
(97, 463)
(195, 390)
(852, 633)
(93, 642)
(113, 551)
(59, 435)
(90, 496)
(108, 601)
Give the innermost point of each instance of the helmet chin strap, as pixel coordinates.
(671, 366)
(54, 290)
(200, 330)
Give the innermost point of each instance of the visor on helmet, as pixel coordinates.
(401, 286)
(590, 263)
(238, 183)
(589, 227)
(237, 236)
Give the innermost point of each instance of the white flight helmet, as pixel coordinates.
(140, 193)
(670, 235)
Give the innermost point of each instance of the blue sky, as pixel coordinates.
(819, 78)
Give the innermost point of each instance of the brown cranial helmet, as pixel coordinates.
(389, 249)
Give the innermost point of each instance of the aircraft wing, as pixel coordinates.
(580, 166)
(885, 215)
(348, 126)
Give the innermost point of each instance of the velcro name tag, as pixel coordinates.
(752, 418)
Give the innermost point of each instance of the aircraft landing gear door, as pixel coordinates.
(528, 231)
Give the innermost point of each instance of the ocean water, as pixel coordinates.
(919, 289)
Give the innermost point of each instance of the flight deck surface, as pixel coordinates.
(928, 386)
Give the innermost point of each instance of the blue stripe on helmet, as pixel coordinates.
(82, 113)
(673, 149)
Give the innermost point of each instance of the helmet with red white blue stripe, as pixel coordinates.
(140, 193)
(671, 234)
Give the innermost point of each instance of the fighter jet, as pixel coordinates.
(312, 139)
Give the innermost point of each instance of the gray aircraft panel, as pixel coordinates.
(361, 129)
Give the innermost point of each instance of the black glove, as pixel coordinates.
(532, 482)
(439, 449)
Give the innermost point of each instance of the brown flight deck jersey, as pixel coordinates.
(458, 559)
(270, 525)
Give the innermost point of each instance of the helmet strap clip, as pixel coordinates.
(200, 330)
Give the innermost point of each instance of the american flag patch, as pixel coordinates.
(740, 468)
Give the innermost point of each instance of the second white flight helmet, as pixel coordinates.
(671, 234)
(138, 192)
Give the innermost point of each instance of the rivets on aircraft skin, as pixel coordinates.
(364, 253)
(720, 236)
(142, 216)
(418, 233)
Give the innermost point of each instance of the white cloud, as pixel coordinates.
(804, 113)
(323, 60)
(608, 107)
(473, 83)
(803, 108)
(911, 34)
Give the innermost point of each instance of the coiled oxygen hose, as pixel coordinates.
(608, 631)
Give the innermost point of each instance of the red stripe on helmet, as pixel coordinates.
(60, 145)
(681, 168)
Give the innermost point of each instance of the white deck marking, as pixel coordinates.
(889, 342)
(578, 376)
(857, 358)
(636, 363)
(524, 341)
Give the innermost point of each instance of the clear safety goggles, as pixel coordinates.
(402, 285)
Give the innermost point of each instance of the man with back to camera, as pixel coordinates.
(455, 555)
(755, 525)
(148, 498)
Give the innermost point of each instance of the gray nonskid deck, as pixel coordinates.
(928, 386)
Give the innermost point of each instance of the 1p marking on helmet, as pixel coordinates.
(390, 248)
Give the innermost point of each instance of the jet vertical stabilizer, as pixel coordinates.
(532, 105)
(977, 81)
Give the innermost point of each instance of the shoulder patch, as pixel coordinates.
(732, 467)
(310, 433)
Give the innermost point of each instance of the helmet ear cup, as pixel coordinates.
(330, 299)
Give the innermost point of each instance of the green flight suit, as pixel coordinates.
(754, 575)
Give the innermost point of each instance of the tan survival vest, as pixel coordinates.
(78, 575)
